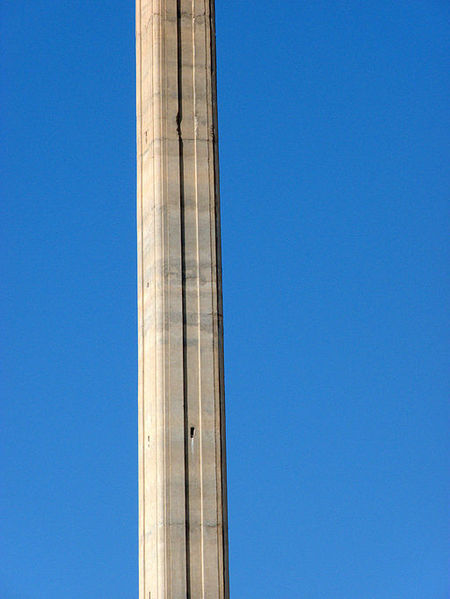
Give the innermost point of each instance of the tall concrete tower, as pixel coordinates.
(183, 547)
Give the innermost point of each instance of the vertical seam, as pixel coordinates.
(218, 300)
(183, 296)
(199, 333)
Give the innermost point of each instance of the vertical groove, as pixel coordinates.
(154, 73)
(199, 331)
(183, 299)
(163, 412)
(219, 299)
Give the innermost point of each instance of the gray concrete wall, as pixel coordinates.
(183, 549)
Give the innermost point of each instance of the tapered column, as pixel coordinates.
(183, 548)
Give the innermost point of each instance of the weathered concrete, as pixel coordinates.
(183, 549)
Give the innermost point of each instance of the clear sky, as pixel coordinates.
(334, 135)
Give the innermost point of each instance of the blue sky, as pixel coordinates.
(334, 131)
